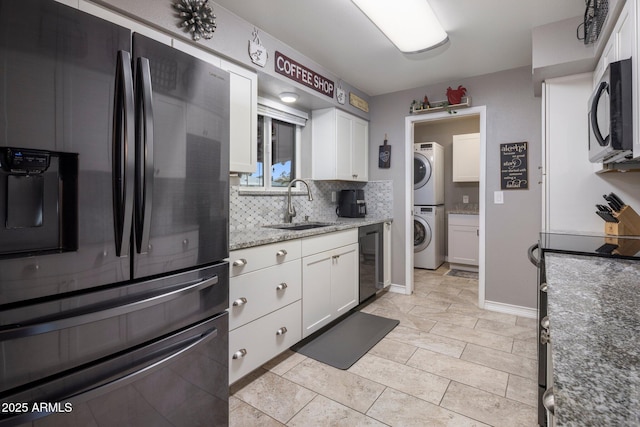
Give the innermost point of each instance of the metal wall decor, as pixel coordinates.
(594, 16)
(257, 52)
(341, 94)
(197, 17)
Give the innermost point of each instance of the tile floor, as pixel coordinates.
(448, 363)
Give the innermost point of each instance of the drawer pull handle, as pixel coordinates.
(282, 286)
(548, 401)
(239, 262)
(240, 353)
(545, 338)
(239, 302)
(281, 331)
(281, 253)
(545, 322)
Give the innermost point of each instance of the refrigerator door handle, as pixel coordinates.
(145, 167)
(95, 313)
(122, 156)
(108, 377)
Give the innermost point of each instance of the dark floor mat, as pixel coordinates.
(462, 273)
(347, 341)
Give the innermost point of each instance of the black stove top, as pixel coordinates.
(579, 244)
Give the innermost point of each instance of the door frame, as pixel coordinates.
(410, 121)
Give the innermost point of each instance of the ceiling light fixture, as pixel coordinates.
(288, 97)
(411, 25)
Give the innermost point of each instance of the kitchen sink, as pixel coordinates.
(301, 226)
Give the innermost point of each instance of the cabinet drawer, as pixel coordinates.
(251, 259)
(261, 292)
(257, 342)
(326, 242)
(464, 220)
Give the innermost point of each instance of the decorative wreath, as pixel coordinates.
(197, 17)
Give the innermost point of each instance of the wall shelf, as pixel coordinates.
(442, 106)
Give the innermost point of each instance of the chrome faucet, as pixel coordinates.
(291, 210)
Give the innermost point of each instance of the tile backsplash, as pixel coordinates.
(249, 209)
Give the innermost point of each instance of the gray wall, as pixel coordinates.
(513, 114)
(230, 40)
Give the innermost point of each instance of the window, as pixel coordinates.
(279, 134)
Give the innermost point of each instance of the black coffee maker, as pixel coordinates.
(351, 204)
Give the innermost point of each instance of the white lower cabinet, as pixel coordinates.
(255, 294)
(464, 241)
(265, 315)
(329, 278)
(253, 344)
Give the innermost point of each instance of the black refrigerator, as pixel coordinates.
(114, 208)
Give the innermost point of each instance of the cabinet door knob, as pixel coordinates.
(281, 253)
(543, 287)
(239, 302)
(282, 286)
(281, 331)
(240, 353)
(239, 262)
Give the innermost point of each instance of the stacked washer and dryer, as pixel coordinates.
(428, 209)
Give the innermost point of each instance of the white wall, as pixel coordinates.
(571, 185)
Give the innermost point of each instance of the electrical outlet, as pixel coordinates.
(498, 197)
(334, 197)
(465, 199)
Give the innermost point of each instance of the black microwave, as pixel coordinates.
(611, 115)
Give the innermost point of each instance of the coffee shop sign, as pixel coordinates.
(303, 75)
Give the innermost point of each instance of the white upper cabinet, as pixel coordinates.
(621, 43)
(340, 146)
(243, 112)
(466, 157)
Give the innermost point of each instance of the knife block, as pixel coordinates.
(629, 224)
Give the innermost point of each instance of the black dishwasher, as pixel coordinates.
(370, 242)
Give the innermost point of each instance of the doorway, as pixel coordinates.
(411, 122)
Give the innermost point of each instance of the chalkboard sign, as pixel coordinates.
(514, 172)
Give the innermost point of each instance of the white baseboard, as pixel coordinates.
(516, 310)
(398, 289)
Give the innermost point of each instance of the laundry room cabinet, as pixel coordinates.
(329, 278)
(340, 146)
(464, 241)
(466, 158)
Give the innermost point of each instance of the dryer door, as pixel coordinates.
(421, 234)
(421, 170)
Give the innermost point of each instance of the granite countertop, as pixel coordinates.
(256, 236)
(465, 209)
(594, 315)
